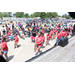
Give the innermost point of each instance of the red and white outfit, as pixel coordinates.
(58, 35)
(51, 32)
(5, 47)
(43, 32)
(68, 32)
(63, 33)
(48, 37)
(16, 39)
(39, 40)
(32, 37)
(55, 31)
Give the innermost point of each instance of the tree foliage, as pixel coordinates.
(66, 16)
(26, 15)
(5, 14)
(1, 15)
(10, 14)
(19, 14)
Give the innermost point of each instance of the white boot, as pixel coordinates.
(34, 54)
(38, 53)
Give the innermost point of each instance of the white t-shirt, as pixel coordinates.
(9, 26)
(3, 29)
(16, 25)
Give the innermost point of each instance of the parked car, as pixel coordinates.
(0, 22)
(11, 21)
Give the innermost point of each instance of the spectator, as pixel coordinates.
(15, 31)
(9, 26)
(7, 29)
(33, 34)
(28, 32)
(3, 29)
(16, 24)
(58, 37)
(0, 36)
(21, 33)
(10, 36)
(63, 34)
(12, 26)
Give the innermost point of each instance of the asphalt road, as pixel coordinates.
(59, 54)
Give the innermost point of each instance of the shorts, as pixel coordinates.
(5, 51)
(21, 34)
(48, 39)
(38, 46)
(54, 33)
(51, 35)
(16, 41)
(32, 37)
(9, 28)
(43, 43)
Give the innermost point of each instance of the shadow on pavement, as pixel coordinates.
(40, 54)
(19, 45)
(10, 57)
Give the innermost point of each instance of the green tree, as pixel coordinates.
(49, 14)
(14, 14)
(36, 14)
(31, 16)
(10, 14)
(66, 16)
(43, 15)
(26, 15)
(1, 15)
(19, 14)
(55, 14)
(5, 14)
(52, 14)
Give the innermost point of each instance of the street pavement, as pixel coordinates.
(59, 54)
(26, 49)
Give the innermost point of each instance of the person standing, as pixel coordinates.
(4, 48)
(16, 41)
(43, 37)
(3, 29)
(33, 34)
(71, 28)
(12, 26)
(7, 29)
(48, 38)
(16, 24)
(9, 26)
(0, 37)
(38, 43)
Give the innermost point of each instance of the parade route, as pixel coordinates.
(25, 51)
(59, 54)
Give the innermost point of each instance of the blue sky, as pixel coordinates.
(60, 13)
